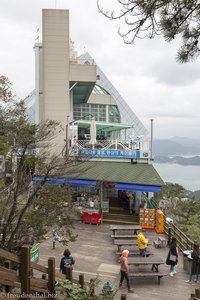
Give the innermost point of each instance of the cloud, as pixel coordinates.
(146, 74)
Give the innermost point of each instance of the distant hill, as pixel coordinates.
(176, 150)
(176, 146)
(186, 141)
(189, 161)
(195, 195)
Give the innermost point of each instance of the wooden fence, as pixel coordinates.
(183, 242)
(171, 230)
(18, 281)
(17, 272)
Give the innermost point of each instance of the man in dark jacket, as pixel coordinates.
(66, 261)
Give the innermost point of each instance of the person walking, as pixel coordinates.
(66, 261)
(195, 264)
(142, 242)
(124, 270)
(55, 237)
(172, 257)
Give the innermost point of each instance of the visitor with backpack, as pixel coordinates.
(66, 261)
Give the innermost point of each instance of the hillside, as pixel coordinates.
(171, 147)
(195, 195)
(179, 150)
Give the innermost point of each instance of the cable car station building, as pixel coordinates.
(98, 122)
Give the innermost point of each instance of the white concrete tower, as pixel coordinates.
(54, 97)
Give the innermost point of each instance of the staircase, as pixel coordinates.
(119, 215)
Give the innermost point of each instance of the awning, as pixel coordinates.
(102, 126)
(137, 187)
(65, 181)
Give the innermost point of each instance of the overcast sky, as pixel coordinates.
(146, 74)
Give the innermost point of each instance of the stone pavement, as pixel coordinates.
(94, 253)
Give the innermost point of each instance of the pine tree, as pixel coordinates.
(170, 18)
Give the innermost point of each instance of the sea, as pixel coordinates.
(187, 176)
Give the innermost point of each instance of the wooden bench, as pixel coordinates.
(126, 243)
(124, 236)
(130, 228)
(135, 253)
(148, 274)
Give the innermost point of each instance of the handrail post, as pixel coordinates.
(169, 235)
(81, 280)
(51, 278)
(7, 265)
(25, 271)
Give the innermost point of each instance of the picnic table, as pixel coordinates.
(134, 251)
(124, 228)
(153, 261)
(125, 242)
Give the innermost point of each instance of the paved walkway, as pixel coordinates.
(94, 252)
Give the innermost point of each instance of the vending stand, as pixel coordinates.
(147, 218)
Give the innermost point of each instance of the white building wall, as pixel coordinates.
(55, 103)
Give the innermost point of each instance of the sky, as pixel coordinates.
(145, 74)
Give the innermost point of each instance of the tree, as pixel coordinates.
(171, 18)
(187, 217)
(170, 190)
(25, 217)
(184, 211)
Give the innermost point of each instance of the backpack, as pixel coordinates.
(67, 261)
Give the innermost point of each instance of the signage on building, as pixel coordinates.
(114, 153)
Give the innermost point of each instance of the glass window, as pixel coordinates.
(113, 114)
(86, 111)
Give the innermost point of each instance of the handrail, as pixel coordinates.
(172, 230)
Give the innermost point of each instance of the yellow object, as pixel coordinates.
(142, 241)
(159, 228)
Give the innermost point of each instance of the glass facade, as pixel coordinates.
(113, 114)
(98, 111)
(127, 116)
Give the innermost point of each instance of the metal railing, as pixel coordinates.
(104, 145)
(183, 242)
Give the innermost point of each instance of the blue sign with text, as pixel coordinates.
(110, 153)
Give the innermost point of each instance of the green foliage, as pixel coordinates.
(71, 291)
(24, 217)
(183, 210)
(187, 217)
(150, 18)
(172, 190)
(4, 147)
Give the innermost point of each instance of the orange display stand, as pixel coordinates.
(159, 228)
(147, 218)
